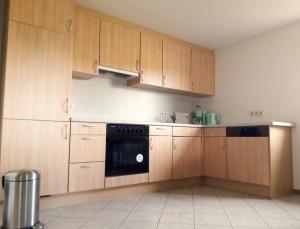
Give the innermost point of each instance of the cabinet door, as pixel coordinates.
(50, 14)
(119, 47)
(151, 60)
(37, 145)
(38, 74)
(87, 148)
(86, 41)
(187, 157)
(160, 153)
(215, 157)
(249, 159)
(203, 72)
(86, 176)
(176, 66)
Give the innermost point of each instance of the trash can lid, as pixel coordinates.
(22, 175)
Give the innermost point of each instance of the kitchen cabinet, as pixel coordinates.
(187, 157)
(40, 145)
(38, 74)
(203, 72)
(176, 66)
(54, 15)
(86, 176)
(87, 148)
(215, 157)
(151, 60)
(86, 42)
(160, 162)
(249, 159)
(119, 48)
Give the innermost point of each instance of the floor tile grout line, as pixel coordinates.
(193, 189)
(162, 211)
(122, 221)
(218, 197)
(262, 218)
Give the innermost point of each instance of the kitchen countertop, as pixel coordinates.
(270, 123)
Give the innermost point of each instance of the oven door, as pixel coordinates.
(127, 156)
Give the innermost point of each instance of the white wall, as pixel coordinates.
(108, 97)
(262, 73)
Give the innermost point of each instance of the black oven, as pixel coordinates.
(127, 149)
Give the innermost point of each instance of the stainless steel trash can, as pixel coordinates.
(21, 199)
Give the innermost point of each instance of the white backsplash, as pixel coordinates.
(108, 97)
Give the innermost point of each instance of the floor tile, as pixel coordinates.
(55, 212)
(212, 227)
(211, 220)
(150, 206)
(246, 221)
(215, 210)
(177, 217)
(120, 205)
(102, 224)
(245, 211)
(66, 223)
(85, 213)
(175, 226)
(95, 205)
(282, 222)
(112, 214)
(272, 212)
(146, 216)
(138, 225)
(179, 207)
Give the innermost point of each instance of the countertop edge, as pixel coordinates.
(271, 123)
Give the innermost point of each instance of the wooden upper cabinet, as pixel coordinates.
(119, 47)
(187, 157)
(176, 66)
(86, 41)
(203, 72)
(38, 74)
(54, 15)
(39, 145)
(160, 154)
(249, 159)
(151, 60)
(215, 157)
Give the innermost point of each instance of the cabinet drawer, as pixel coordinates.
(187, 132)
(88, 128)
(87, 148)
(160, 130)
(86, 176)
(215, 132)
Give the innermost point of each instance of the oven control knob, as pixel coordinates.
(139, 158)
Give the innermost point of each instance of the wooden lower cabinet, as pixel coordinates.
(40, 145)
(87, 148)
(86, 176)
(160, 154)
(187, 157)
(249, 159)
(215, 157)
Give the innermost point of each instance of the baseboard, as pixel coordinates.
(259, 190)
(89, 196)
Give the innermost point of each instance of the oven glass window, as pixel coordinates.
(125, 157)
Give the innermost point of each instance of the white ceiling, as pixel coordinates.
(210, 23)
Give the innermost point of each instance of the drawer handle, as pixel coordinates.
(88, 125)
(86, 166)
(87, 139)
(159, 128)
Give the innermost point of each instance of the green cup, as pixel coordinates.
(212, 118)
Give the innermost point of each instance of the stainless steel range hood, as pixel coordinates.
(119, 72)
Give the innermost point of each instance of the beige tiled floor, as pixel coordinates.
(193, 208)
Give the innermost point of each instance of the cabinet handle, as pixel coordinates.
(151, 145)
(88, 125)
(69, 25)
(86, 166)
(65, 131)
(137, 65)
(141, 75)
(164, 80)
(192, 85)
(87, 139)
(160, 128)
(66, 105)
(174, 145)
(96, 67)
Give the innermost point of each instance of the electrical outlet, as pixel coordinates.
(256, 113)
